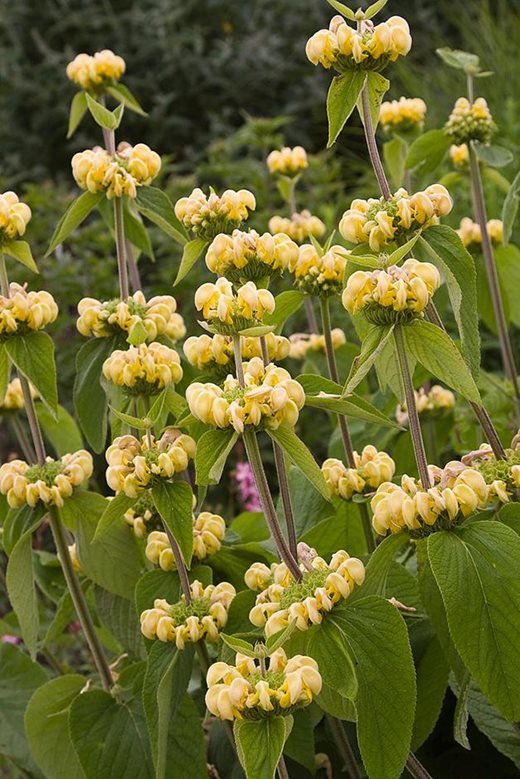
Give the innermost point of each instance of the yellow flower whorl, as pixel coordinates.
(404, 114)
(470, 233)
(209, 215)
(372, 469)
(214, 354)
(231, 310)
(320, 274)
(470, 122)
(287, 161)
(94, 72)
(301, 343)
(154, 317)
(248, 255)
(14, 217)
(299, 227)
(131, 167)
(144, 369)
(50, 483)
(208, 532)
(23, 310)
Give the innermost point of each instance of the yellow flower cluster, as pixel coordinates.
(372, 469)
(404, 290)
(299, 227)
(320, 274)
(470, 232)
(13, 398)
(244, 691)
(270, 398)
(23, 310)
(371, 48)
(245, 256)
(502, 476)
(458, 491)
(459, 155)
(202, 618)
(404, 114)
(95, 170)
(470, 122)
(144, 369)
(210, 215)
(208, 531)
(94, 72)
(215, 354)
(301, 343)
(282, 599)
(135, 316)
(380, 221)
(51, 483)
(143, 516)
(287, 161)
(14, 217)
(428, 402)
(133, 465)
(231, 311)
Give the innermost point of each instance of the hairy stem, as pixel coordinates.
(133, 268)
(34, 425)
(120, 248)
(25, 445)
(411, 406)
(311, 315)
(372, 146)
(4, 279)
(344, 747)
(281, 769)
(179, 562)
(416, 768)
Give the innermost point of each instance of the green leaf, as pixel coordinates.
(136, 233)
(395, 152)
(174, 501)
(461, 716)
(75, 214)
(61, 431)
(106, 737)
(435, 351)
(78, 108)
(462, 60)
(90, 400)
(492, 154)
(445, 248)
(379, 566)
(123, 94)
(213, 449)
(298, 454)
(400, 253)
(239, 645)
(300, 745)
(156, 206)
(277, 640)
(109, 120)
(47, 727)
(21, 251)
(427, 152)
(17, 522)
(287, 303)
(313, 384)
(114, 511)
(22, 591)
(341, 101)
(120, 618)
(432, 681)
(128, 419)
(260, 745)
(190, 255)
(156, 584)
(377, 86)
(373, 9)
(343, 9)
(33, 355)
(510, 208)
(351, 406)
(483, 559)
(373, 344)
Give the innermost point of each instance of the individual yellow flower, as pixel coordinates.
(244, 691)
(436, 399)
(143, 517)
(144, 369)
(209, 215)
(402, 115)
(393, 294)
(131, 167)
(208, 532)
(182, 622)
(13, 398)
(307, 601)
(245, 256)
(459, 155)
(320, 274)
(134, 465)
(372, 469)
(229, 311)
(301, 343)
(470, 233)
(269, 398)
(92, 73)
(23, 311)
(380, 221)
(49, 483)
(287, 161)
(14, 217)
(299, 227)
(470, 122)
(142, 320)
(215, 354)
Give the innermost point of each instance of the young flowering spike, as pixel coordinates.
(370, 48)
(433, 402)
(13, 398)
(229, 312)
(208, 532)
(203, 618)
(301, 343)
(287, 161)
(14, 217)
(320, 274)
(470, 122)
(144, 369)
(459, 155)
(131, 167)
(140, 319)
(283, 600)
(242, 257)
(49, 483)
(214, 354)
(247, 489)
(135, 465)
(470, 233)
(372, 469)
(380, 221)
(269, 398)
(23, 311)
(300, 227)
(402, 115)
(245, 691)
(207, 216)
(393, 295)
(94, 73)
(502, 476)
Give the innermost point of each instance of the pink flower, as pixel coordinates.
(247, 488)
(8, 639)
